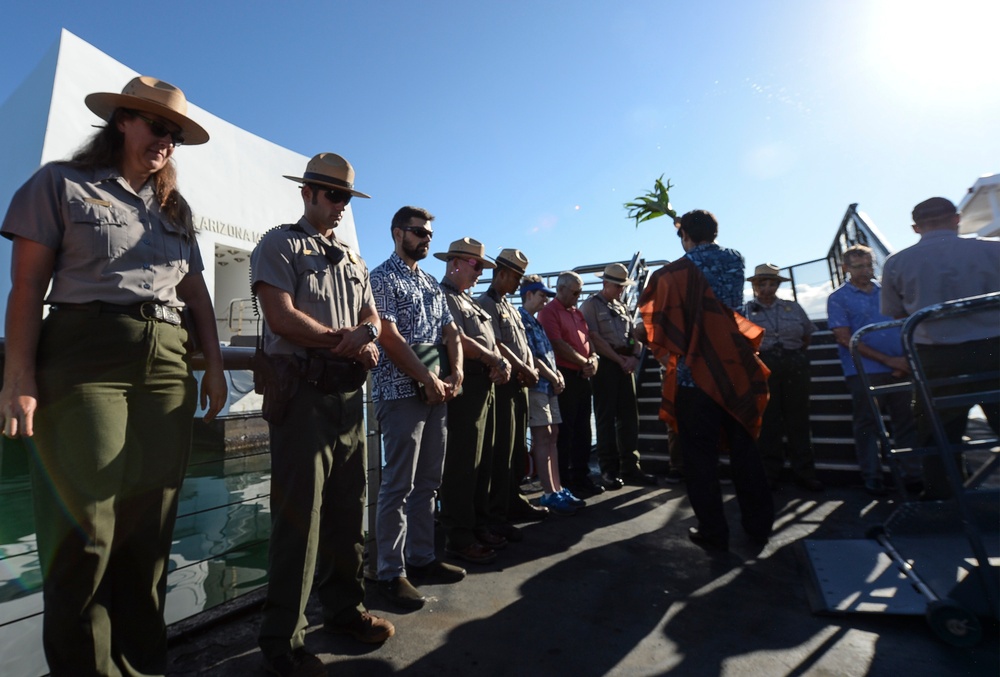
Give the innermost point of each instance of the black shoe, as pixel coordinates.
(756, 537)
(490, 539)
(611, 482)
(365, 627)
(809, 484)
(674, 476)
(508, 531)
(522, 511)
(935, 494)
(637, 477)
(401, 592)
(297, 663)
(436, 572)
(874, 487)
(586, 487)
(707, 543)
(477, 553)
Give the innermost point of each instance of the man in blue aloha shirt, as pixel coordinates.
(410, 402)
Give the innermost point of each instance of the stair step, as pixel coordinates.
(847, 441)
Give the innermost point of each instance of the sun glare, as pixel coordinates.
(935, 47)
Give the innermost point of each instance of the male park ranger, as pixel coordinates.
(321, 325)
(615, 407)
(510, 450)
(470, 415)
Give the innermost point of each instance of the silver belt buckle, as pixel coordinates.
(150, 311)
(154, 311)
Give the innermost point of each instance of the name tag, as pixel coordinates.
(95, 201)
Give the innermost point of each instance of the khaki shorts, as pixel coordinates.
(543, 409)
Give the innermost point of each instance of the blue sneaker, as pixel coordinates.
(573, 500)
(558, 504)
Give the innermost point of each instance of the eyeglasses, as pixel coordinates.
(419, 231)
(336, 196)
(160, 130)
(476, 264)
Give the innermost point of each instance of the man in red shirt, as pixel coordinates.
(567, 329)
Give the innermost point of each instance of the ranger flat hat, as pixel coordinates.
(513, 259)
(150, 95)
(466, 248)
(934, 208)
(615, 273)
(767, 271)
(330, 170)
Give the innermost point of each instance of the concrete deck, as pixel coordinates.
(619, 590)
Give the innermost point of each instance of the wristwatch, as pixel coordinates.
(502, 364)
(372, 330)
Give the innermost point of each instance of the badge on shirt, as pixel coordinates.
(351, 255)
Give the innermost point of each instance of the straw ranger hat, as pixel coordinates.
(330, 170)
(466, 248)
(150, 95)
(767, 271)
(615, 273)
(513, 259)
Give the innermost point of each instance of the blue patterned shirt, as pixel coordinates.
(541, 348)
(414, 302)
(723, 268)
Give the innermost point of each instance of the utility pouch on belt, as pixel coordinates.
(330, 374)
(277, 378)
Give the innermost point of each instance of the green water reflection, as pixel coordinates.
(219, 550)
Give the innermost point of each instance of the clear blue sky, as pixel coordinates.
(528, 124)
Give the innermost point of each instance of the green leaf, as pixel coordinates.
(653, 204)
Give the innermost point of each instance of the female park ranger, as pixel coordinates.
(102, 385)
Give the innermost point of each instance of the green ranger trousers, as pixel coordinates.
(470, 431)
(616, 415)
(112, 438)
(318, 470)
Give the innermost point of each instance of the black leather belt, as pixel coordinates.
(143, 311)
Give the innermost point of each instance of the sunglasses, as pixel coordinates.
(160, 130)
(335, 196)
(419, 231)
(476, 265)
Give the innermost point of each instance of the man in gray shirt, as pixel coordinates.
(940, 267)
